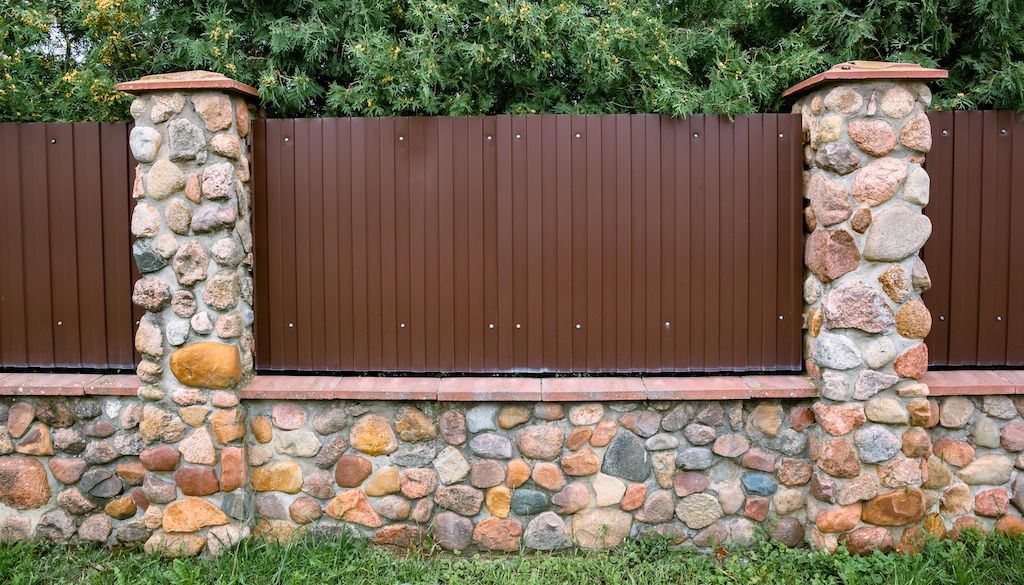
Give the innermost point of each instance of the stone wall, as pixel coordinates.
(490, 476)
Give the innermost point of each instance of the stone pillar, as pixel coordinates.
(193, 248)
(866, 134)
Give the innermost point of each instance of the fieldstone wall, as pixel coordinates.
(193, 247)
(865, 319)
(501, 477)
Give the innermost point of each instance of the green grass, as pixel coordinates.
(971, 561)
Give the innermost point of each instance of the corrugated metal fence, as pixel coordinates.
(420, 244)
(535, 243)
(65, 250)
(976, 251)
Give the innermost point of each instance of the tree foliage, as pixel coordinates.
(60, 59)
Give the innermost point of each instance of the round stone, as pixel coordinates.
(699, 510)
(896, 232)
(831, 254)
(917, 133)
(844, 100)
(164, 179)
(914, 321)
(145, 221)
(897, 102)
(145, 143)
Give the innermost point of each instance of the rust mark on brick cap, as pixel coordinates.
(867, 70)
(187, 80)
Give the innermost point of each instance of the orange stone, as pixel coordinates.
(121, 508)
(498, 534)
(548, 476)
(498, 501)
(839, 519)
(517, 474)
(582, 462)
(207, 364)
(1011, 525)
(635, 495)
(895, 508)
(191, 514)
(281, 476)
(353, 506)
(261, 429)
(228, 425)
(577, 438)
(232, 468)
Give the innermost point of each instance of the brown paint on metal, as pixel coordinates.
(973, 255)
(451, 225)
(66, 272)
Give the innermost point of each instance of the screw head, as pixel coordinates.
(696, 134)
(60, 323)
(578, 135)
(781, 318)
(781, 135)
(945, 132)
(401, 325)
(1003, 131)
(489, 138)
(291, 325)
(518, 136)
(490, 325)
(53, 141)
(578, 326)
(942, 317)
(668, 325)
(286, 139)
(999, 317)
(519, 325)
(401, 138)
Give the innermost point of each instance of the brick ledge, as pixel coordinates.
(509, 389)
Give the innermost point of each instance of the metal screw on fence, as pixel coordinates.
(490, 325)
(489, 138)
(999, 318)
(578, 135)
(519, 326)
(1003, 131)
(60, 323)
(578, 326)
(945, 132)
(942, 317)
(696, 134)
(291, 325)
(401, 325)
(53, 141)
(401, 138)
(781, 135)
(781, 318)
(286, 139)
(518, 136)
(668, 325)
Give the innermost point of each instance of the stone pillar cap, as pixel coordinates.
(187, 80)
(867, 70)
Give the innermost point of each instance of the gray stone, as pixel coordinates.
(147, 259)
(330, 453)
(270, 506)
(895, 233)
(190, 263)
(481, 418)
(999, 407)
(879, 352)
(84, 409)
(101, 483)
(131, 533)
(626, 457)
(158, 491)
(876, 444)
(201, 323)
(227, 252)
(838, 158)
(547, 531)
(330, 421)
(985, 433)
(491, 446)
(129, 444)
(870, 382)
(677, 418)
(837, 352)
(418, 455)
(759, 484)
(835, 386)
(695, 458)
(451, 531)
(527, 502)
(177, 332)
(698, 434)
(237, 504)
(185, 140)
(100, 452)
(68, 440)
(699, 510)
(915, 189)
(791, 442)
(145, 143)
(662, 442)
(56, 526)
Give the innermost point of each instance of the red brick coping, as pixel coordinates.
(505, 389)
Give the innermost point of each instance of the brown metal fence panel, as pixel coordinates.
(976, 252)
(65, 260)
(629, 243)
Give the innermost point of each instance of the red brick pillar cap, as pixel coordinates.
(859, 70)
(188, 80)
